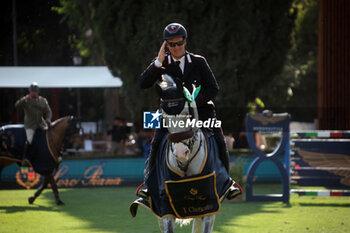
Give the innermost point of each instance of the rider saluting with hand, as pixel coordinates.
(190, 69)
(37, 114)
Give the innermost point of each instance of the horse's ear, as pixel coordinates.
(179, 86)
(159, 90)
(75, 118)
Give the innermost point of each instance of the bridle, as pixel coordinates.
(179, 137)
(57, 152)
(184, 167)
(71, 130)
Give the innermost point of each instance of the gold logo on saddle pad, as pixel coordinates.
(195, 195)
(193, 191)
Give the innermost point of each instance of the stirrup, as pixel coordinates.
(142, 192)
(234, 191)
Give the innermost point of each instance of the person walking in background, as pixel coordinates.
(118, 133)
(37, 114)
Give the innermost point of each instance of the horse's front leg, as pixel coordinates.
(208, 224)
(167, 224)
(55, 190)
(197, 225)
(39, 190)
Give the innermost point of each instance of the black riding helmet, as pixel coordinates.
(34, 87)
(174, 30)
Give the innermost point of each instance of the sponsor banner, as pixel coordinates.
(81, 173)
(105, 172)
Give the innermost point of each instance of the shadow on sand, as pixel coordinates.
(15, 209)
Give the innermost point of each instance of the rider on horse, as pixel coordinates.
(37, 114)
(190, 69)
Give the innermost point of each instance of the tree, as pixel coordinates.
(245, 43)
(295, 89)
(304, 55)
(41, 39)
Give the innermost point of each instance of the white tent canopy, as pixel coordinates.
(58, 77)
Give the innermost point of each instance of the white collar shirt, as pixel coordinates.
(182, 63)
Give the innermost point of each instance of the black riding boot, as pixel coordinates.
(236, 189)
(152, 156)
(25, 162)
(223, 152)
(225, 158)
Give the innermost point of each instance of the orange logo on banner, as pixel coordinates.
(27, 178)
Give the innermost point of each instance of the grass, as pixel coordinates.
(106, 210)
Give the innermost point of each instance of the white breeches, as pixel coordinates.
(30, 135)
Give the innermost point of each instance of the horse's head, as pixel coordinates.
(74, 126)
(179, 113)
(66, 129)
(74, 131)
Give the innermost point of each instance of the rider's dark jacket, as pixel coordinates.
(196, 71)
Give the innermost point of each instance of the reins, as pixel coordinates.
(56, 154)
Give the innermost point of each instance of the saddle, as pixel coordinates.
(12, 140)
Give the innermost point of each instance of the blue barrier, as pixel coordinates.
(269, 124)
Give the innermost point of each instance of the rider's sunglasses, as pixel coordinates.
(173, 44)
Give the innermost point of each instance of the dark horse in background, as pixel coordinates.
(45, 153)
